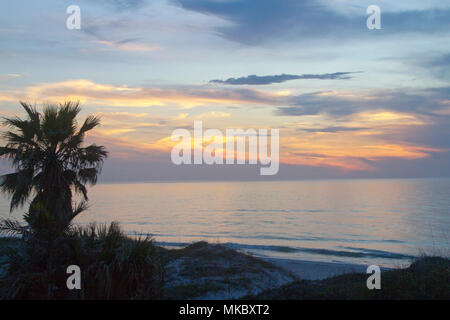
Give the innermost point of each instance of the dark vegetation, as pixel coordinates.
(113, 267)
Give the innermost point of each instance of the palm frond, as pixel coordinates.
(88, 175)
(90, 123)
(18, 184)
(11, 227)
(92, 155)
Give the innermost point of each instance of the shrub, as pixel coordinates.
(113, 266)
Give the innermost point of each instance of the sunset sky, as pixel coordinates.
(349, 101)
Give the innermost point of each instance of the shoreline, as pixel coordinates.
(318, 270)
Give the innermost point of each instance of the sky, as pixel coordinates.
(350, 102)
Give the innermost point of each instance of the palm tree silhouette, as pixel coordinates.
(46, 150)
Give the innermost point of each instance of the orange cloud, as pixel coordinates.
(346, 150)
(90, 92)
(135, 47)
(342, 150)
(349, 142)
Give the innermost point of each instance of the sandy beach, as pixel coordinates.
(316, 270)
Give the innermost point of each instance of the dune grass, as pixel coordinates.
(113, 266)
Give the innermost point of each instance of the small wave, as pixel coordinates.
(380, 253)
(357, 253)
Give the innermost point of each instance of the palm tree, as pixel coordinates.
(51, 164)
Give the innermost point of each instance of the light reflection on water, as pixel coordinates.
(362, 221)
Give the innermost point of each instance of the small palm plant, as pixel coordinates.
(46, 149)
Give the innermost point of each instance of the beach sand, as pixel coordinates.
(313, 270)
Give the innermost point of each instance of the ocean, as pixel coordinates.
(386, 222)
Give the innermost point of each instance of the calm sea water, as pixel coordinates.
(383, 222)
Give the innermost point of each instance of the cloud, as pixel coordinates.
(256, 22)
(123, 4)
(212, 115)
(307, 149)
(354, 142)
(335, 129)
(263, 80)
(442, 60)
(348, 151)
(439, 66)
(114, 95)
(421, 101)
(128, 45)
(377, 125)
(114, 35)
(8, 77)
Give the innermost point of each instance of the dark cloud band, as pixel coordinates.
(256, 22)
(423, 101)
(262, 80)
